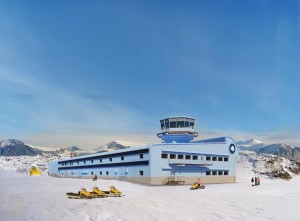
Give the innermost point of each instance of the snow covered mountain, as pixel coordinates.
(251, 145)
(270, 165)
(283, 150)
(13, 147)
(114, 145)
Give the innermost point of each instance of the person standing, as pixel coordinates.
(252, 180)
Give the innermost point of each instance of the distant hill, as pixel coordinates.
(114, 145)
(13, 147)
(288, 151)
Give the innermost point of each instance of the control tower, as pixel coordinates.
(177, 129)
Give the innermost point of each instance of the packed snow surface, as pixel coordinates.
(44, 198)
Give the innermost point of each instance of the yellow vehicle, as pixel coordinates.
(34, 171)
(82, 194)
(113, 192)
(196, 186)
(97, 192)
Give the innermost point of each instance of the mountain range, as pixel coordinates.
(13, 147)
(288, 151)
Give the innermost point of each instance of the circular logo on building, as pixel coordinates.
(232, 148)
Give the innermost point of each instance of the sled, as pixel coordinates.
(113, 192)
(82, 194)
(98, 193)
(35, 171)
(196, 186)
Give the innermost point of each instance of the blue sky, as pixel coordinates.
(84, 73)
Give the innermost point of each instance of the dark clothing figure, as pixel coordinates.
(258, 181)
(255, 181)
(95, 178)
(252, 180)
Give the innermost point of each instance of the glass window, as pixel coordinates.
(192, 124)
(162, 125)
(101, 173)
(167, 124)
(180, 157)
(208, 158)
(220, 158)
(187, 157)
(100, 160)
(141, 156)
(208, 173)
(180, 124)
(77, 162)
(173, 124)
(84, 162)
(122, 157)
(172, 156)
(141, 172)
(220, 172)
(226, 159)
(164, 155)
(110, 159)
(214, 173)
(107, 173)
(186, 124)
(195, 157)
(92, 161)
(214, 158)
(226, 173)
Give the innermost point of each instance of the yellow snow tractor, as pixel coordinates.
(82, 194)
(34, 171)
(97, 192)
(196, 186)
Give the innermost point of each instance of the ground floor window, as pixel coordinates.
(220, 173)
(141, 172)
(226, 173)
(92, 173)
(101, 173)
(107, 173)
(208, 173)
(214, 173)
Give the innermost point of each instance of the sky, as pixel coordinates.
(88, 72)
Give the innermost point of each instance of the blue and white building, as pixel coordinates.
(177, 158)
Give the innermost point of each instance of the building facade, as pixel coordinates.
(178, 158)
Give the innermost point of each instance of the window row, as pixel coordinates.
(192, 157)
(96, 161)
(141, 172)
(215, 173)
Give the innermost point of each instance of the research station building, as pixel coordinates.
(179, 158)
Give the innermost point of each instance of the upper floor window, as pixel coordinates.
(164, 155)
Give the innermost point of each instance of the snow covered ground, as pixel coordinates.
(43, 198)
